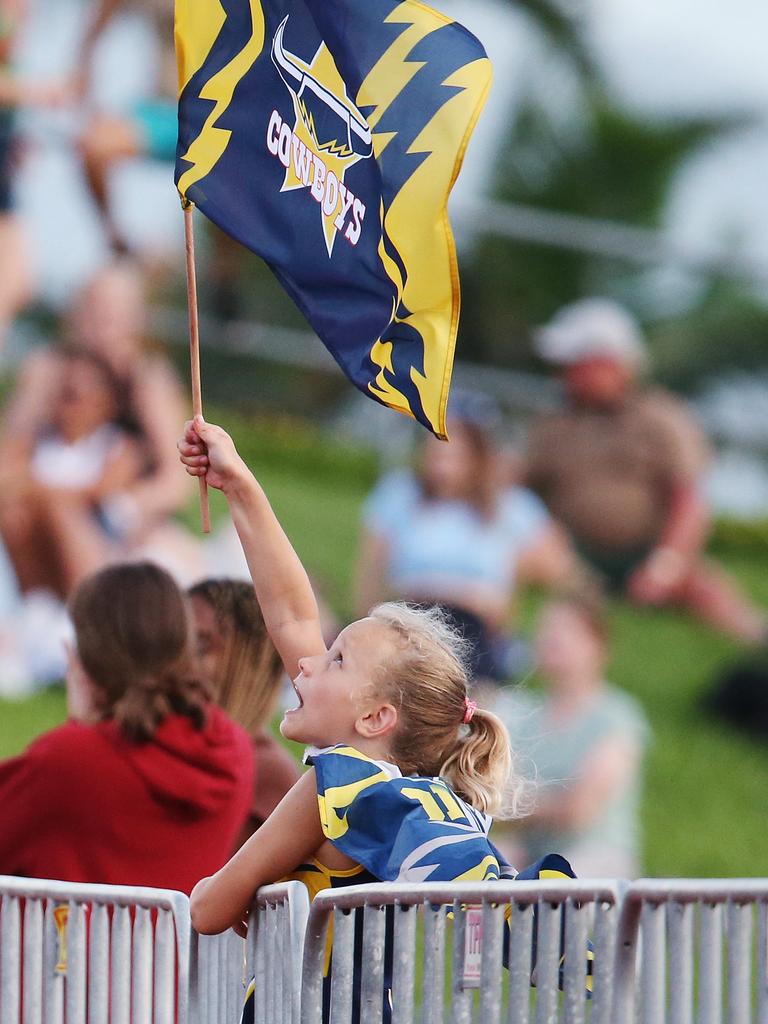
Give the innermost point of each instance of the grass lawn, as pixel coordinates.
(703, 810)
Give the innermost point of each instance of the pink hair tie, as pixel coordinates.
(470, 707)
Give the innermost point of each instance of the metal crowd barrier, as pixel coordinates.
(88, 954)
(653, 952)
(104, 954)
(693, 950)
(443, 946)
(218, 978)
(222, 965)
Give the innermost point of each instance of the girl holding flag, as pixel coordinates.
(405, 768)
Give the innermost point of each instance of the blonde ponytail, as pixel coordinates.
(479, 767)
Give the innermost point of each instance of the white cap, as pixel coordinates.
(591, 327)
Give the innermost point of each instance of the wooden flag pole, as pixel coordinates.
(194, 347)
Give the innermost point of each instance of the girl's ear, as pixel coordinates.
(81, 693)
(378, 722)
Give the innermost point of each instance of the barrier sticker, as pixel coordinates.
(473, 945)
(61, 919)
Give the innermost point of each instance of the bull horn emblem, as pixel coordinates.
(328, 114)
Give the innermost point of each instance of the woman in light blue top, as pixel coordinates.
(453, 532)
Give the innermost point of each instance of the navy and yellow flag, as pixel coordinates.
(326, 135)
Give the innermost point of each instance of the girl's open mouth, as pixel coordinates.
(300, 704)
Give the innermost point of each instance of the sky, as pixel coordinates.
(686, 56)
(663, 60)
(693, 58)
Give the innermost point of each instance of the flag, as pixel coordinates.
(326, 135)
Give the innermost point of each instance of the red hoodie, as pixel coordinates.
(84, 804)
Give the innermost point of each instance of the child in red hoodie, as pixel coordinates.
(148, 783)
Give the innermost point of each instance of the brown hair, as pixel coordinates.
(69, 352)
(483, 483)
(428, 685)
(134, 640)
(586, 600)
(251, 672)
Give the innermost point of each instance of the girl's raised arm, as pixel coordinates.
(282, 586)
(289, 837)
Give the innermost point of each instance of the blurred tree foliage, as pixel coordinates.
(727, 331)
(609, 164)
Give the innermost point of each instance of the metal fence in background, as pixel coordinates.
(91, 954)
(437, 953)
(224, 964)
(693, 950)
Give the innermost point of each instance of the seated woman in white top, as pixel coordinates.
(51, 515)
(108, 317)
(453, 532)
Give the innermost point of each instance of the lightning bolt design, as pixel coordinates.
(210, 145)
(196, 28)
(413, 350)
(335, 148)
(393, 71)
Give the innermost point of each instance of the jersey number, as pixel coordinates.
(438, 802)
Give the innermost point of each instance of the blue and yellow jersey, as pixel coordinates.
(401, 828)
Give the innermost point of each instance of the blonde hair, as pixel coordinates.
(251, 673)
(427, 682)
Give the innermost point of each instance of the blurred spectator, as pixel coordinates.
(149, 129)
(148, 783)
(108, 319)
(51, 503)
(452, 532)
(621, 466)
(87, 457)
(16, 286)
(584, 741)
(240, 664)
